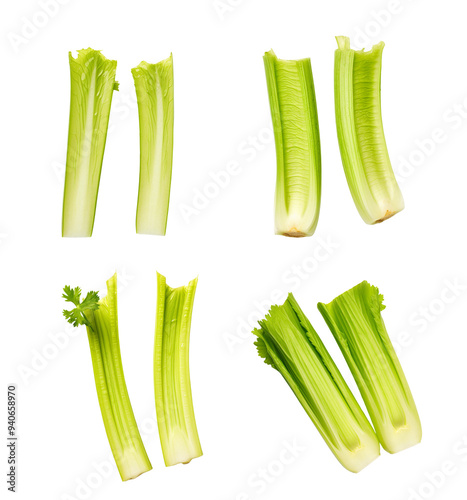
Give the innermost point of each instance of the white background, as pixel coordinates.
(244, 410)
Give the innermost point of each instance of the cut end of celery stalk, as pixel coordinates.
(362, 144)
(132, 464)
(401, 438)
(154, 85)
(293, 233)
(386, 216)
(343, 43)
(357, 459)
(92, 86)
(181, 450)
(296, 133)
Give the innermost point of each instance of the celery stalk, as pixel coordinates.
(295, 121)
(92, 86)
(174, 406)
(101, 320)
(357, 88)
(288, 342)
(155, 95)
(356, 323)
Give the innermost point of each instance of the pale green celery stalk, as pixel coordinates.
(288, 342)
(92, 86)
(295, 121)
(356, 323)
(101, 320)
(172, 387)
(357, 88)
(155, 94)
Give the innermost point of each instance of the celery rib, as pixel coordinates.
(174, 405)
(355, 320)
(357, 88)
(119, 421)
(296, 132)
(155, 96)
(92, 86)
(288, 342)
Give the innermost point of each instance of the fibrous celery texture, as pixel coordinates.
(92, 86)
(155, 94)
(174, 405)
(357, 88)
(296, 133)
(288, 342)
(101, 320)
(356, 323)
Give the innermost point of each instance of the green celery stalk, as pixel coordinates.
(357, 325)
(154, 85)
(367, 167)
(101, 320)
(288, 342)
(92, 86)
(172, 387)
(295, 121)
